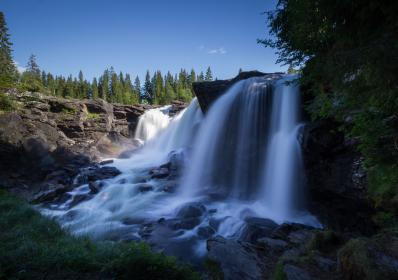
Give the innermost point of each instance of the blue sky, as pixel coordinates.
(136, 35)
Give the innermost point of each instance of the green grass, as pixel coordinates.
(35, 247)
(92, 116)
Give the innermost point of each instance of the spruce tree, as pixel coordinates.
(147, 94)
(201, 77)
(32, 67)
(8, 70)
(137, 89)
(94, 89)
(209, 75)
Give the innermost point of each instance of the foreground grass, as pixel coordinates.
(34, 247)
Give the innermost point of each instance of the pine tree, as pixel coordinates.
(103, 87)
(147, 92)
(94, 89)
(209, 75)
(201, 77)
(32, 67)
(8, 70)
(137, 89)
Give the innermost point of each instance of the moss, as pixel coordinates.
(356, 262)
(34, 247)
(383, 186)
(214, 269)
(325, 241)
(279, 274)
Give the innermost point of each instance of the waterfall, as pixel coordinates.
(241, 160)
(247, 158)
(152, 122)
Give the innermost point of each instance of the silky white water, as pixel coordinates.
(243, 159)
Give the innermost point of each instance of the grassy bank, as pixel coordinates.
(34, 247)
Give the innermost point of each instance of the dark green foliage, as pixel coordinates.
(34, 247)
(325, 241)
(348, 52)
(209, 75)
(214, 270)
(8, 71)
(6, 104)
(279, 274)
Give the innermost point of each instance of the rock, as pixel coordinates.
(273, 244)
(102, 173)
(50, 134)
(325, 264)
(336, 179)
(159, 173)
(300, 236)
(206, 232)
(94, 186)
(191, 210)
(52, 192)
(256, 228)
(143, 187)
(104, 162)
(208, 92)
(295, 273)
(235, 260)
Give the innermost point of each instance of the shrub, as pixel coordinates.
(6, 104)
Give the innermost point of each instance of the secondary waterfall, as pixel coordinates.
(241, 160)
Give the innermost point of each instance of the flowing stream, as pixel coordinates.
(243, 159)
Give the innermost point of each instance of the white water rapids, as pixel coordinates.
(242, 159)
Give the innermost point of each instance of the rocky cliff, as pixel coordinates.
(47, 140)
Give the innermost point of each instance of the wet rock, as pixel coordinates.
(206, 232)
(273, 244)
(159, 173)
(104, 162)
(300, 236)
(95, 186)
(144, 187)
(256, 228)
(78, 199)
(95, 174)
(51, 193)
(186, 224)
(293, 272)
(191, 210)
(236, 260)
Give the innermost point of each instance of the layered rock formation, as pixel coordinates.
(47, 140)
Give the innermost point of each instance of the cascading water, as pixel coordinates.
(152, 122)
(241, 160)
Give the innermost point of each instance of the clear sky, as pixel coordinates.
(136, 35)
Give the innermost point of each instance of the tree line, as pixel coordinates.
(114, 87)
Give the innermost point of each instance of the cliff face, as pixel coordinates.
(51, 139)
(208, 92)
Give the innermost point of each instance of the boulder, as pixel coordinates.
(236, 260)
(191, 210)
(256, 228)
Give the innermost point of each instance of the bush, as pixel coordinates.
(6, 104)
(34, 247)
